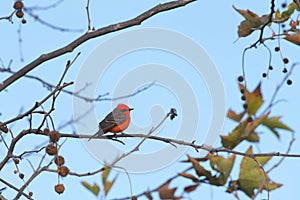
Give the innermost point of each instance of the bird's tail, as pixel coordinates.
(98, 134)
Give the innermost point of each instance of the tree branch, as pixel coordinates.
(89, 35)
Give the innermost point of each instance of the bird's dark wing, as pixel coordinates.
(113, 119)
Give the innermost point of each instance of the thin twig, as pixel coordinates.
(87, 36)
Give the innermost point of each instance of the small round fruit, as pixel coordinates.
(285, 70)
(63, 171)
(59, 160)
(21, 176)
(277, 49)
(59, 188)
(19, 14)
(18, 5)
(264, 75)
(289, 82)
(240, 78)
(24, 21)
(270, 67)
(286, 61)
(54, 136)
(51, 149)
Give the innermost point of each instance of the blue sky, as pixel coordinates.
(213, 26)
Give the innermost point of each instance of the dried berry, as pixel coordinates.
(240, 78)
(270, 67)
(264, 75)
(289, 82)
(245, 106)
(243, 98)
(59, 188)
(16, 161)
(24, 21)
(19, 14)
(277, 49)
(21, 176)
(283, 5)
(286, 61)
(46, 131)
(18, 5)
(63, 171)
(59, 160)
(30, 194)
(285, 70)
(3, 127)
(51, 149)
(249, 119)
(54, 136)
(15, 171)
(242, 91)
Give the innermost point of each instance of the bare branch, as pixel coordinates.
(87, 36)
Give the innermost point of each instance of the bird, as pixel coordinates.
(115, 122)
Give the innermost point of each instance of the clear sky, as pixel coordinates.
(180, 83)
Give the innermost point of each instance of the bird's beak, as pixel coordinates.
(130, 109)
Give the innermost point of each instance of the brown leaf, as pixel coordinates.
(295, 38)
(190, 188)
(166, 193)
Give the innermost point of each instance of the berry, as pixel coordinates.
(289, 82)
(51, 149)
(16, 161)
(63, 171)
(18, 5)
(245, 106)
(243, 98)
(24, 21)
(249, 119)
(285, 70)
(54, 136)
(283, 5)
(46, 131)
(264, 75)
(270, 67)
(15, 171)
(59, 160)
(240, 78)
(30, 194)
(19, 14)
(242, 91)
(286, 61)
(21, 176)
(277, 49)
(59, 188)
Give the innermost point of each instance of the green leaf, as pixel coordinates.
(252, 137)
(243, 131)
(253, 99)
(223, 166)
(108, 185)
(95, 189)
(234, 116)
(285, 15)
(105, 174)
(252, 176)
(200, 171)
(274, 123)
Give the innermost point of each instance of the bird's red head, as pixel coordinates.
(124, 108)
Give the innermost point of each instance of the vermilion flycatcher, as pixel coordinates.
(116, 121)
